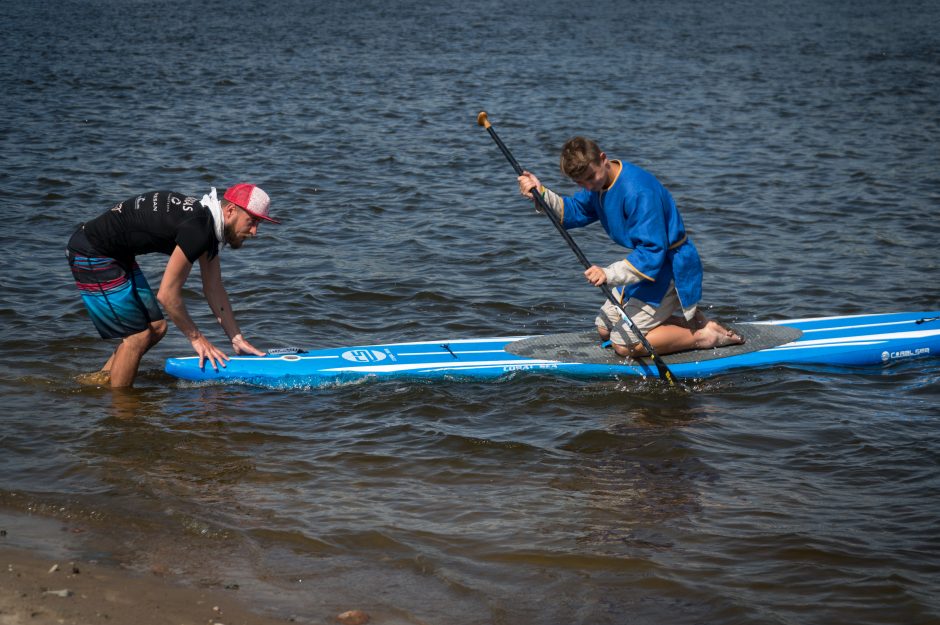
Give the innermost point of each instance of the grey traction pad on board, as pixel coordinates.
(585, 346)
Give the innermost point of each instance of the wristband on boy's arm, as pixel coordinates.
(554, 201)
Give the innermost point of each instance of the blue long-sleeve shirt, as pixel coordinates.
(638, 212)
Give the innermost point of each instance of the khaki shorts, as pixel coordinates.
(645, 316)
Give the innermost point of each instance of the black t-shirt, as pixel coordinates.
(156, 221)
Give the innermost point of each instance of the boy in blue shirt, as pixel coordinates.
(662, 275)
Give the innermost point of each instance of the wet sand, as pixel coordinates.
(44, 579)
(36, 589)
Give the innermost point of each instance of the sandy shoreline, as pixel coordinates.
(42, 581)
(36, 589)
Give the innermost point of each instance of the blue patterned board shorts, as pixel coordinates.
(114, 291)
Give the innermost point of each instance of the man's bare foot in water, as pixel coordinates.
(95, 378)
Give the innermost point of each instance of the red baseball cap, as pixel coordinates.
(252, 199)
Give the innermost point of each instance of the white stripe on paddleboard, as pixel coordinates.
(865, 325)
(811, 345)
(438, 352)
(445, 365)
(488, 339)
(287, 357)
(297, 357)
(550, 364)
(778, 322)
(869, 339)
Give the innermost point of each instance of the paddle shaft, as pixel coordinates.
(664, 371)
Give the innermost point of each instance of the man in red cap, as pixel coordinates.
(102, 255)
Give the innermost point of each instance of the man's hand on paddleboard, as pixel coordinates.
(595, 275)
(241, 346)
(208, 351)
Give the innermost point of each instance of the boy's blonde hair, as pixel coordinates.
(577, 155)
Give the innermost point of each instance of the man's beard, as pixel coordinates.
(231, 238)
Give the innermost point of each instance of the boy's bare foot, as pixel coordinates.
(719, 336)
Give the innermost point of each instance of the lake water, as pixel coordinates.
(800, 142)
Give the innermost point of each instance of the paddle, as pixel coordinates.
(664, 371)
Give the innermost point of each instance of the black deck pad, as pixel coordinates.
(585, 346)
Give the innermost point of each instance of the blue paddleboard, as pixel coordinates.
(850, 341)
